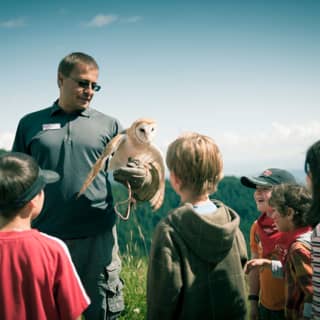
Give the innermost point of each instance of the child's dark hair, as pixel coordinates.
(312, 168)
(292, 196)
(18, 172)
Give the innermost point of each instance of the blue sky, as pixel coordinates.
(247, 73)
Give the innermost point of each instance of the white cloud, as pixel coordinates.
(13, 23)
(284, 145)
(6, 140)
(101, 20)
(132, 19)
(278, 135)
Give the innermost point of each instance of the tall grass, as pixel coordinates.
(134, 275)
(134, 272)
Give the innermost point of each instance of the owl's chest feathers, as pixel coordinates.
(128, 149)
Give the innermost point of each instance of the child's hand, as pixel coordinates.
(255, 263)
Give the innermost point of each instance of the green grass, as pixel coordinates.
(134, 271)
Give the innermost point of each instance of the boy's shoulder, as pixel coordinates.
(175, 217)
(35, 242)
(185, 217)
(53, 242)
(254, 225)
(42, 241)
(303, 241)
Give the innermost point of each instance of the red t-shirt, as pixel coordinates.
(38, 279)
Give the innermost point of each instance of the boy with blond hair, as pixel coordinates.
(37, 279)
(198, 251)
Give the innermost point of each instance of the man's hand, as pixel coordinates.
(134, 172)
(142, 177)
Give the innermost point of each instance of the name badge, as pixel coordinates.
(51, 126)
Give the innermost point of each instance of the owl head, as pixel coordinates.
(144, 130)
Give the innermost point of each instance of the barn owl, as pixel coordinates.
(135, 142)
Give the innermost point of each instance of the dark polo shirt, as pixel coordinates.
(70, 144)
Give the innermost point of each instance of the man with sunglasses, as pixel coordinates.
(69, 137)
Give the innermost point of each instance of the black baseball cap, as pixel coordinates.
(44, 177)
(268, 178)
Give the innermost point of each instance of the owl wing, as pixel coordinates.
(154, 156)
(109, 150)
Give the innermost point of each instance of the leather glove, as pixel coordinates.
(143, 178)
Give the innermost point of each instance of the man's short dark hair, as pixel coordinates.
(67, 64)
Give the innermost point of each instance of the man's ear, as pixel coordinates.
(60, 79)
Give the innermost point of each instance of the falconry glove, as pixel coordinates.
(141, 177)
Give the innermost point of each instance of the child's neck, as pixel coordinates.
(194, 200)
(15, 224)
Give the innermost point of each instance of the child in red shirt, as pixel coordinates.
(290, 205)
(37, 279)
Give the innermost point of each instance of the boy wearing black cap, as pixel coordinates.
(265, 291)
(38, 279)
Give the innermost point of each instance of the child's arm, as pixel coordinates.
(164, 280)
(275, 266)
(257, 263)
(253, 276)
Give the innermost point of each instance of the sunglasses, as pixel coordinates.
(85, 84)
